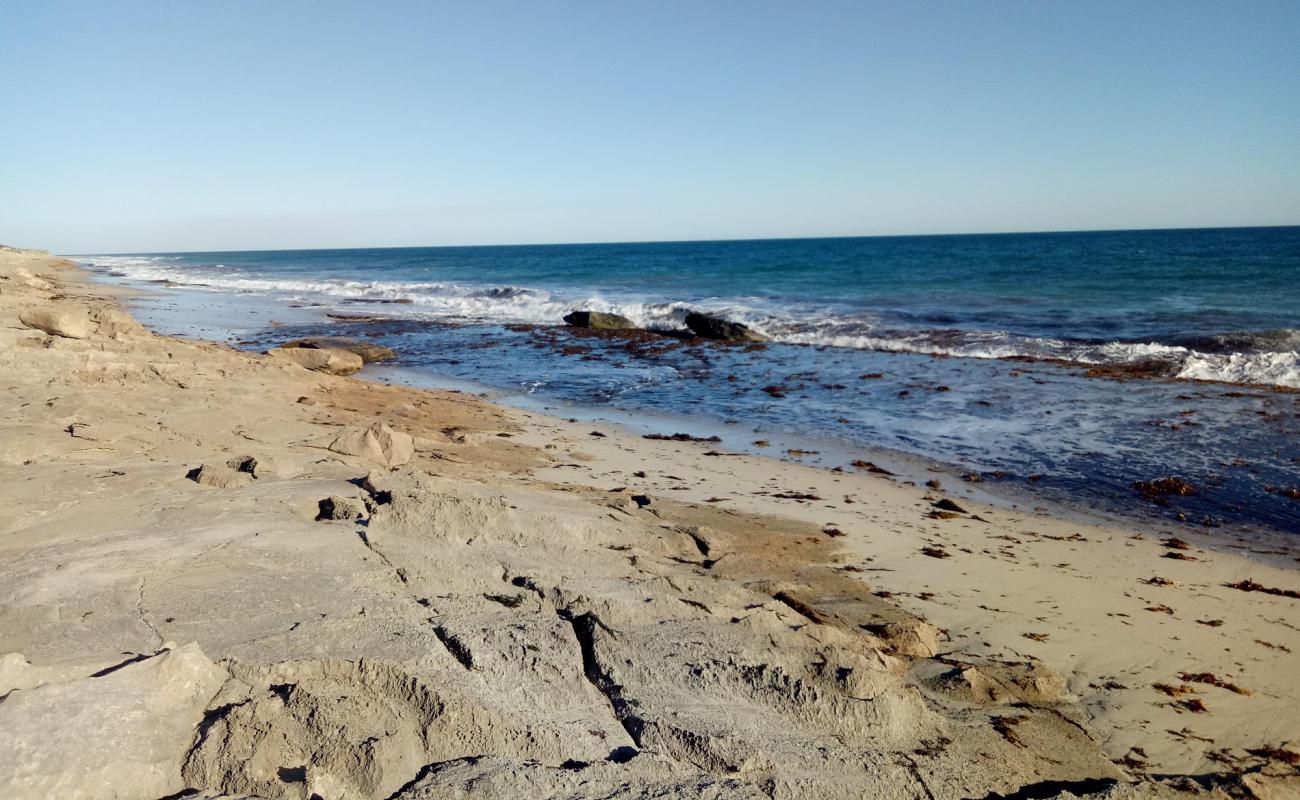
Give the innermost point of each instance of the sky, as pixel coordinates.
(148, 127)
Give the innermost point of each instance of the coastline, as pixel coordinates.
(944, 624)
(1076, 435)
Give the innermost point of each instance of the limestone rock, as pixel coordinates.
(324, 359)
(341, 508)
(909, 637)
(70, 323)
(221, 476)
(115, 323)
(711, 327)
(120, 735)
(600, 320)
(24, 277)
(378, 443)
(369, 352)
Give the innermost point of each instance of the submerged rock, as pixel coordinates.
(369, 352)
(324, 359)
(600, 320)
(722, 329)
(66, 322)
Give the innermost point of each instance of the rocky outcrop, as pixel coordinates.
(68, 322)
(378, 443)
(370, 353)
(24, 277)
(122, 732)
(323, 359)
(340, 508)
(600, 320)
(220, 476)
(711, 327)
(115, 323)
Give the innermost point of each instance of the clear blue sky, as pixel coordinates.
(142, 126)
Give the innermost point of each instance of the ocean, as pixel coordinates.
(1066, 366)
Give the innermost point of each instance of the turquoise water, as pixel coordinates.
(981, 343)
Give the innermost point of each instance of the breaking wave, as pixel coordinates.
(1244, 357)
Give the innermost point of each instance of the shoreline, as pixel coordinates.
(184, 311)
(832, 566)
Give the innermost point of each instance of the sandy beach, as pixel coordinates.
(235, 574)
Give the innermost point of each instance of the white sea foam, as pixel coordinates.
(1281, 369)
(460, 302)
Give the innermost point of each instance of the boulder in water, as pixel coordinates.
(322, 359)
(725, 330)
(599, 320)
(369, 352)
(69, 323)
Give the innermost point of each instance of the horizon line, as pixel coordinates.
(705, 240)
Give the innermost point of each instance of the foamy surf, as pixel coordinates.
(1263, 358)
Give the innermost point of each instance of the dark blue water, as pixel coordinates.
(999, 354)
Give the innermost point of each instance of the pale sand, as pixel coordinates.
(505, 625)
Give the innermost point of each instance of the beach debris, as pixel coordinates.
(1249, 585)
(1006, 728)
(378, 443)
(341, 508)
(796, 496)
(935, 514)
(681, 437)
(775, 390)
(945, 504)
(220, 476)
(933, 484)
(1174, 543)
(935, 552)
(1161, 609)
(1037, 637)
(1212, 623)
(1192, 704)
(370, 353)
(1159, 489)
(1156, 580)
(329, 360)
(69, 323)
(1172, 690)
(1211, 679)
(599, 320)
(711, 327)
(858, 463)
